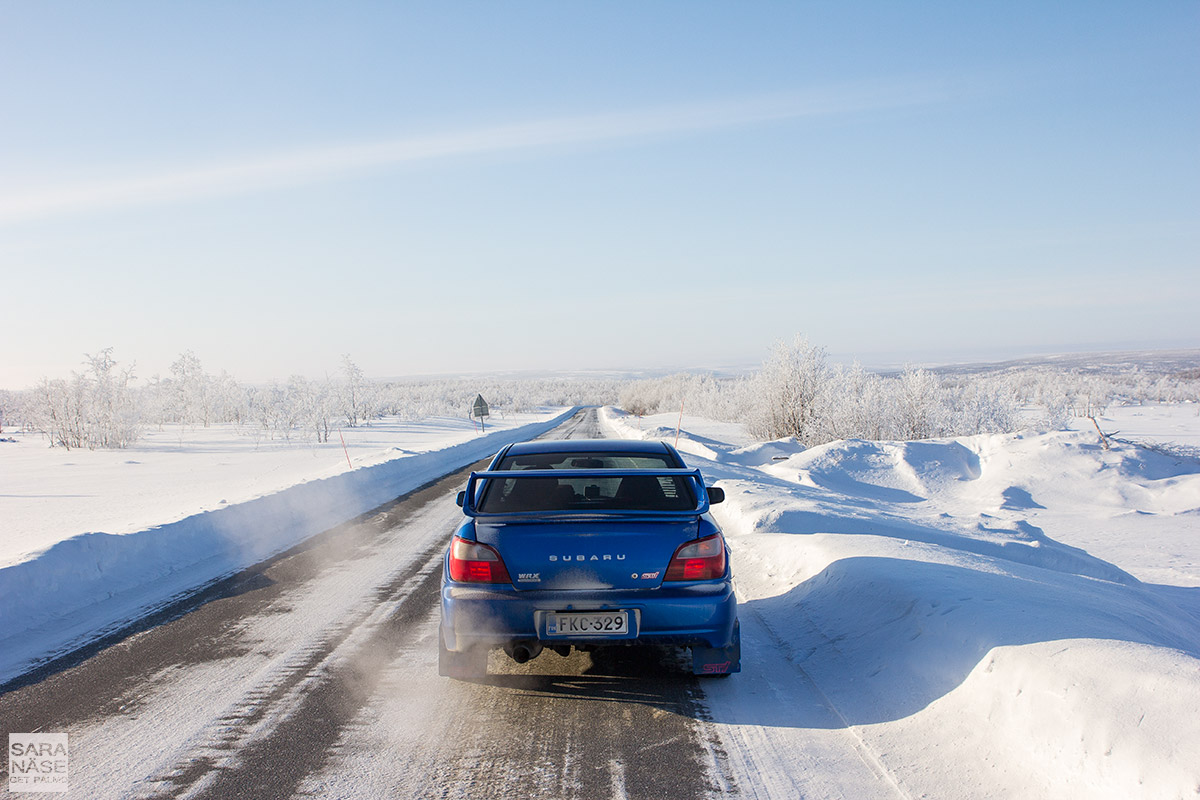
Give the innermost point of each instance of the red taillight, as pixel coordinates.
(702, 560)
(472, 562)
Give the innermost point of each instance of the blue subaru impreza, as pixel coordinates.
(585, 544)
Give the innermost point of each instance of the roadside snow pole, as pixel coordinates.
(679, 424)
(345, 449)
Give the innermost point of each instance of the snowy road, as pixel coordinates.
(314, 675)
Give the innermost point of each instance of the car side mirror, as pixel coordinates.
(715, 495)
(460, 498)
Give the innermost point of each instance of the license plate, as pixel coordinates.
(596, 623)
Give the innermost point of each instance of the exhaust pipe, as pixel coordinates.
(522, 652)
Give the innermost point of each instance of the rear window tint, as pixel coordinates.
(591, 493)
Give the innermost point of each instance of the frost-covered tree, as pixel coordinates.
(797, 394)
(113, 418)
(856, 405)
(59, 412)
(95, 408)
(354, 390)
(919, 407)
(310, 405)
(790, 390)
(226, 399)
(8, 407)
(189, 391)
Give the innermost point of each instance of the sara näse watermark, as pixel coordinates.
(38, 762)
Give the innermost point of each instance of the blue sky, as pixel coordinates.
(466, 187)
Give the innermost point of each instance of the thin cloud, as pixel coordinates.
(316, 164)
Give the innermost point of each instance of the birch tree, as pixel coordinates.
(789, 391)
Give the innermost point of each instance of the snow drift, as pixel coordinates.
(1009, 615)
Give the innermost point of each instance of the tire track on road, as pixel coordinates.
(136, 686)
(328, 696)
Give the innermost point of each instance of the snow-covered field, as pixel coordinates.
(1176, 426)
(995, 616)
(992, 616)
(50, 494)
(91, 538)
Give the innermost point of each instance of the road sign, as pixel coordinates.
(481, 407)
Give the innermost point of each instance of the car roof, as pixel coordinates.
(588, 446)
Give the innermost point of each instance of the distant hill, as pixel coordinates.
(1179, 363)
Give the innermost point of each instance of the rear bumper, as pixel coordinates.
(699, 614)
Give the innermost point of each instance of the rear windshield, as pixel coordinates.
(592, 493)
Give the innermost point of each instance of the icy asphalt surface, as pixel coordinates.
(314, 674)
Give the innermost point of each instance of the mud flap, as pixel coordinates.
(719, 660)
(463, 666)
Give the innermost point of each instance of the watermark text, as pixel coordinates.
(37, 762)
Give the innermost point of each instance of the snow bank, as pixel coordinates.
(84, 585)
(995, 616)
(1084, 717)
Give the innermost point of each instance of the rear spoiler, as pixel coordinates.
(706, 495)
